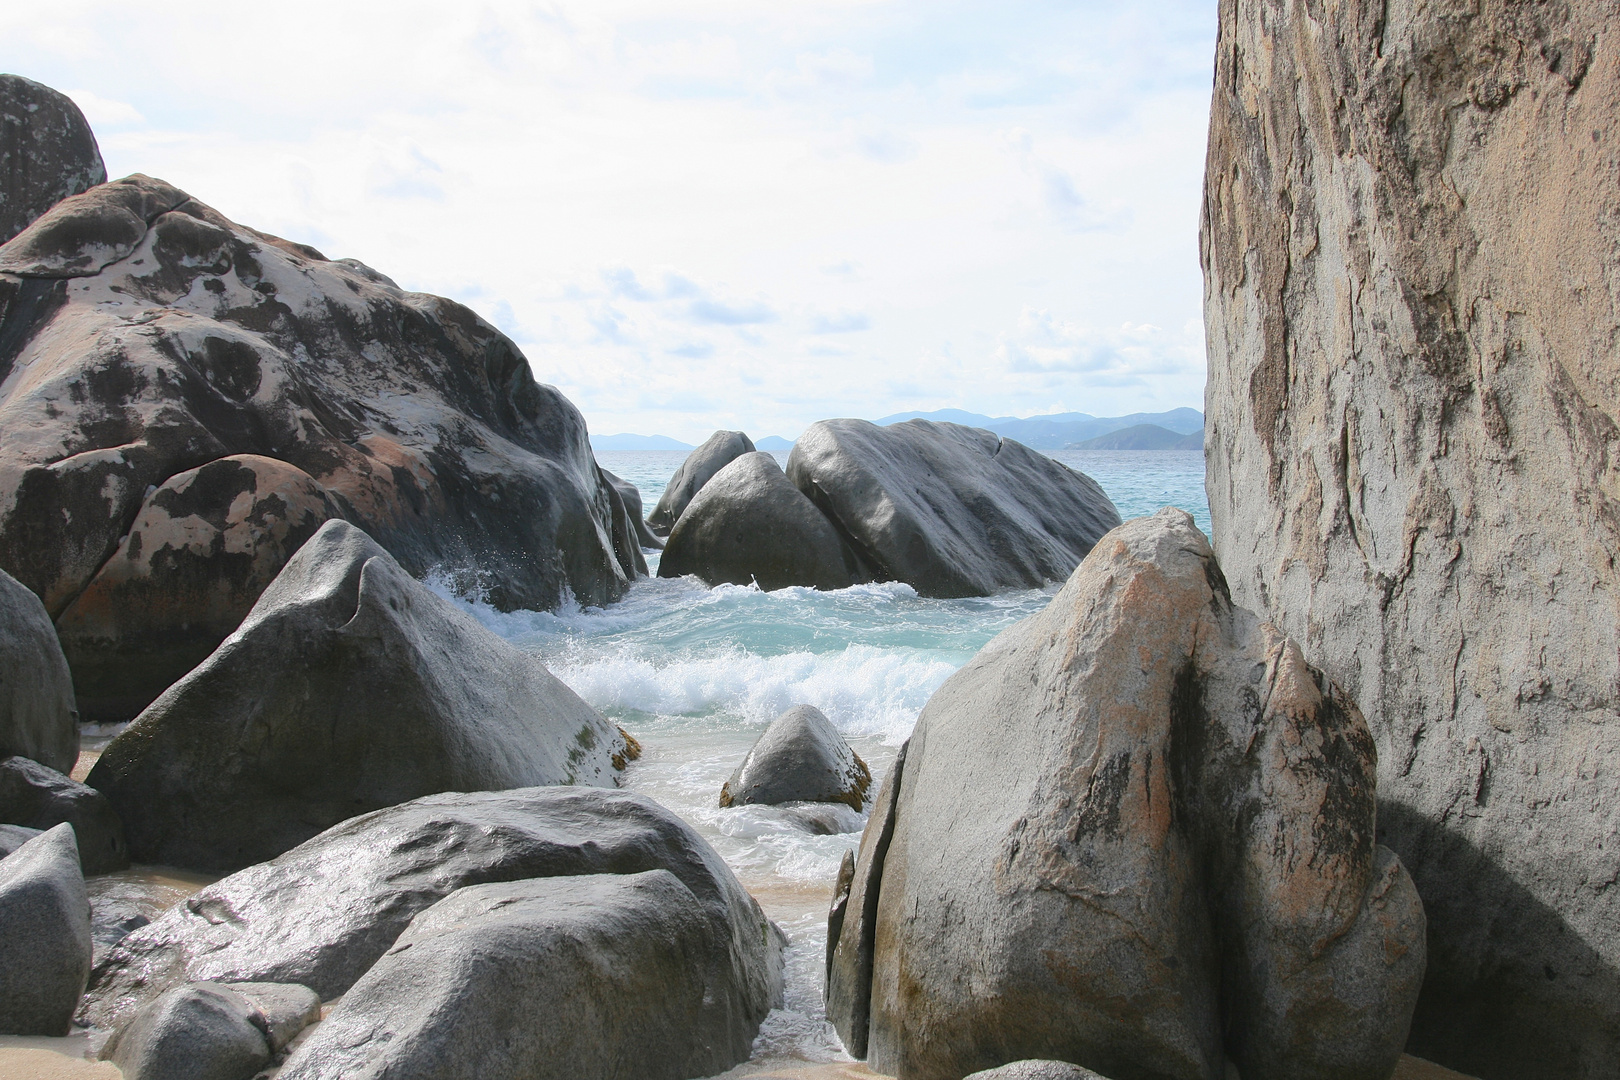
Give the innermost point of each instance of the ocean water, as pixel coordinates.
(697, 673)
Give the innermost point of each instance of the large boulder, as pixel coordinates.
(950, 510)
(801, 757)
(159, 337)
(44, 935)
(749, 524)
(47, 152)
(38, 717)
(1411, 223)
(630, 495)
(564, 978)
(720, 450)
(1137, 833)
(350, 686)
(39, 798)
(322, 914)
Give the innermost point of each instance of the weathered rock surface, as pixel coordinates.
(47, 152)
(950, 510)
(630, 495)
(38, 718)
(206, 543)
(721, 449)
(750, 524)
(1412, 220)
(13, 837)
(801, 757)
(323, 913)
(200, 1031)
(44, 935)
(349, 687)
(1030, 1069)
(564, 978)
(39, 798)
(1136, 832)
(158, 337)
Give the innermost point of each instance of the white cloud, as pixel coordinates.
(748, 215)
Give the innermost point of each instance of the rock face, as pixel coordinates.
(721, 449)
(950, 510)
(1136, 832)
(801, 757)
(564, 978)
(39, 798)
(750, 524)
(322, 914)
(1410, 226)
(44, 935)
(350, 686)
(159, 337)
(630, 495)
(47, 152)
(38, 718)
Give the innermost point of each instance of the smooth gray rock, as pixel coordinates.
(1136, 832)
(13, 837)
(322, 914)
(720, 450)
(38, 718)
(284, 1009)
(160, 338)
(1034, 1069)
(749, 524)
(34, 796)
(630, 495)
(568, 978)
(47, 152)
(349, 687)
(949, 510)
(44, 935)
(801, 757)
(199, 1031)
(1411, 217)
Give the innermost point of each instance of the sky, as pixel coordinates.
(713, 213)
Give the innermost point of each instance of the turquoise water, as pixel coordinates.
(697, 673)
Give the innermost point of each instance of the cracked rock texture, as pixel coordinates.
(1411, 246)
(1136, 833)
(47, 152)
(184, 399)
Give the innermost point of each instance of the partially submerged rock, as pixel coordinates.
(160, 337)
(38, 718)
(349, 687)
(950, 510)
(322, 914)
(1135, 832)
(720, 450)
(39, 798)
(44, 935)
(47, 152)
(563, 978)
(749, 524)
(801, 757)
(630, 495)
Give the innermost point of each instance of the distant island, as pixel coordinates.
(1178, 429)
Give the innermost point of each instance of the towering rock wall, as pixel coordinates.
(1411, 247)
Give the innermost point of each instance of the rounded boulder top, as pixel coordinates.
(800, 758)
(47, 152)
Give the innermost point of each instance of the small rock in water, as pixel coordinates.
(720, 450)
(801, 757)
(350, 686)
(36, 797)
(199, 1031)
(45, 942)
(564, 978)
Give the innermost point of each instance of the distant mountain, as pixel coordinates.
(1143, 437)
(1059, 430)
(637, 442)
(773, 444)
